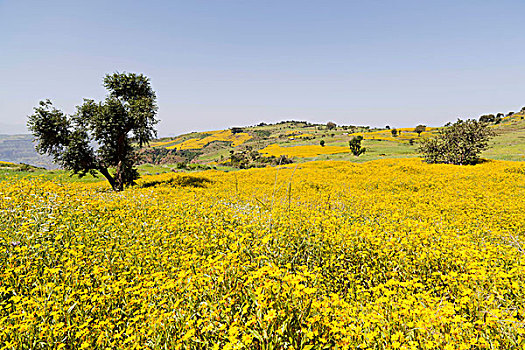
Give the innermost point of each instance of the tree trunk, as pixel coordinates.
(110, 179)
(119, 181)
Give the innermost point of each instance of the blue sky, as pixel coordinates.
(220, 63)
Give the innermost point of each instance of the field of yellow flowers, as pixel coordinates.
(221, 135)
(302, 151)
(390, 254)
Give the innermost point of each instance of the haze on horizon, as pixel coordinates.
(217, 64)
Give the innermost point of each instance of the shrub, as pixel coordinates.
(321, 143)
(262, 133)
(176, 181)
(459, 143)
(236, 130)
(25, 167)
(253, 159)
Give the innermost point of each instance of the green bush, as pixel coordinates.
(355, 145)
(177, 181)
(459, 143)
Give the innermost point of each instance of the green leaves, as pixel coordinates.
(51, 128)
(100, 135)
(129, 86)
(459, 143)
(419, 129)
(79, 156)
(355, 145)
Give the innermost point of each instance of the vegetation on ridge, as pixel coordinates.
(301, 142)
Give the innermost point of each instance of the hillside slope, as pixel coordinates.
(21, 149)
(301, 141)
(268, 144)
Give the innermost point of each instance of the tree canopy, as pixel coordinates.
(100, 137)
(459, 143)
(355, 145)
(419, 129)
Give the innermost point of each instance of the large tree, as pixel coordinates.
(100, 137)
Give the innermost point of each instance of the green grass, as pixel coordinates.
(151, 169)
(66, 176)
(375, 149)
(509, 144)
(58, 175)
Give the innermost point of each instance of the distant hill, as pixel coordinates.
(258, 145)
(297, 141)
(301, 142)
(21, 149)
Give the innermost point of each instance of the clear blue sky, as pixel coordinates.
(222, 63)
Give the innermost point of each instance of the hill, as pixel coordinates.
(300, 141)
(271, 144)
(21, 149)
(509, 143)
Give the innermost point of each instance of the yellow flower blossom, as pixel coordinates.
(386, 254)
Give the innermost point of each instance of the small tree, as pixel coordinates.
(100, 135)
(419, 129)
(487, 118)
(459, 143)
(236, 130)
(331, 125)
(321, 143)
(394, 132)
(355, 146)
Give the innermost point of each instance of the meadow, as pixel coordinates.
(389, 254)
